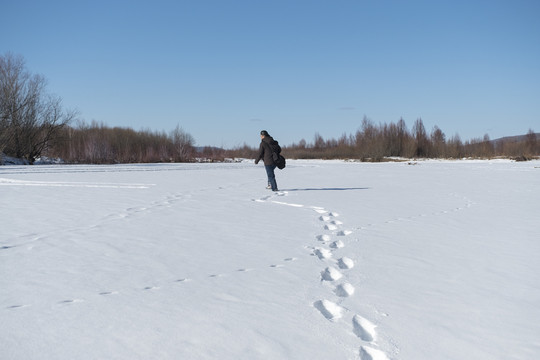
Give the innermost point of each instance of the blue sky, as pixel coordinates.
(224, 70)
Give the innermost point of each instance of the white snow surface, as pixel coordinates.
(200, 261)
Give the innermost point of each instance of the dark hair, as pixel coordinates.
(265, 133)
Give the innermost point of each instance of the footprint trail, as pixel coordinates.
(334, 273)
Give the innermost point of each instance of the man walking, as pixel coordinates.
(265, 153)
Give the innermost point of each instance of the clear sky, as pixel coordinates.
(225, 69)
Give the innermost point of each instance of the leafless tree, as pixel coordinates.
(454, 147)
(438, 143)
(29, 117)
(318, 142)
(531, 143)
(183, 144)
(18, 90)
(422, 142)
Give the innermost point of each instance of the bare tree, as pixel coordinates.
(183, 144)
(368, 144)
(438, 141)
(29, 118)
(18, 90)
(455, 147)
(402, 136)
(530, 143)
(487, 149)
(318, 142)
(422, 141)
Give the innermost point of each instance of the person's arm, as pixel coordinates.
(261, 153)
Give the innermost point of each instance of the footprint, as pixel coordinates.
(322, 253)
(290, 259)
(364, 329)
(276, 266)
(151, 288)
(334, 214)
(330, 227)
(337, 244)
(324, 238)
(345, 263)
(324, 218)
(108, 293)
(16, 306)
(330, 310)
(336, 222)
(321, 211)
(344, 233)
(331, 274)
(368, 353)
(344, 290)
(70, 301)
(182, 280)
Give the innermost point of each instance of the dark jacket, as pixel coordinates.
(265, 151)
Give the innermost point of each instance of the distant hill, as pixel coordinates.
(517, 138)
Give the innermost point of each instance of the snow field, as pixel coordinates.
(368, 261)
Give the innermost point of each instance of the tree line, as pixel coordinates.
(378, 142)
(96, 143)
(34, 124)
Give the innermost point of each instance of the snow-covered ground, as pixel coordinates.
(438, 260)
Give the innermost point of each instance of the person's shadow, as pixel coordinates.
(328, 189)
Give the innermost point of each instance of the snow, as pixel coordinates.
(199, 261)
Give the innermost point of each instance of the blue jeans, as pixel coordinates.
(271, 176)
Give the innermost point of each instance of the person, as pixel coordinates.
(265, 154)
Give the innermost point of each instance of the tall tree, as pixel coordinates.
(29, 117)
(531, 143)
(422, 142)
(438, 141)
(182, 143)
